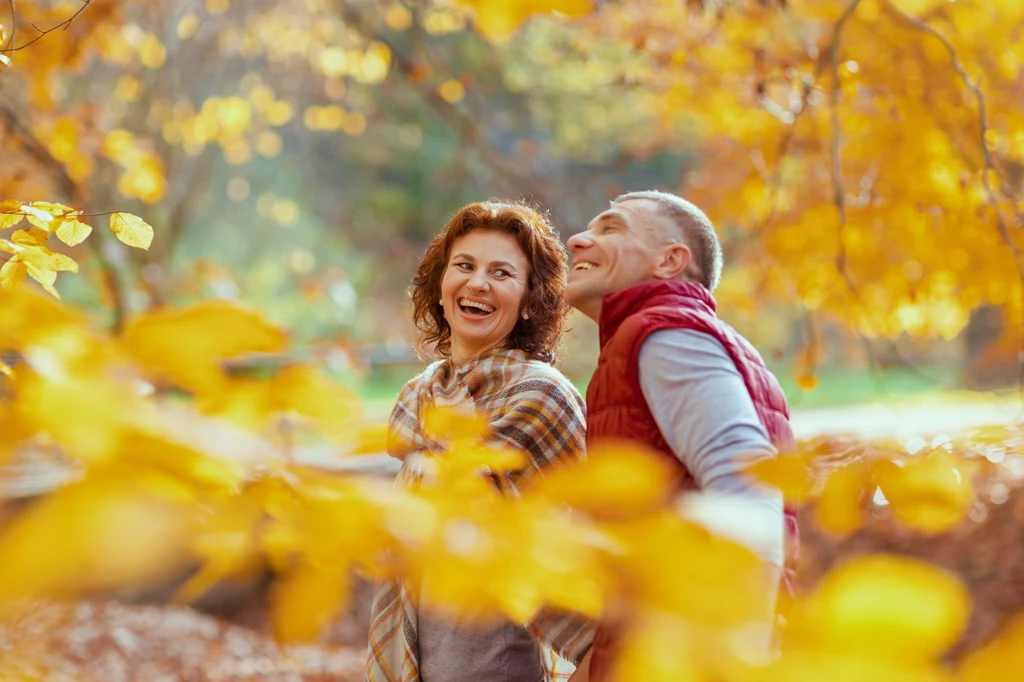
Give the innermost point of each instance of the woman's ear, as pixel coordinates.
(673, 262)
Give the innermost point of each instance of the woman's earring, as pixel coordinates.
(526, 315)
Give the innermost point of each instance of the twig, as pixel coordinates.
(73, 214)
(974, 86)
(70, 189)
(838, 193)
(62, 25)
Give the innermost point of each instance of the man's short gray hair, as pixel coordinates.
(698, 233)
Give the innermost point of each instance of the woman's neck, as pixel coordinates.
(461, 354)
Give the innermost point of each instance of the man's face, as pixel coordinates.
(619, 249)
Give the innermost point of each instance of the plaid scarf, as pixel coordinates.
(531, 407)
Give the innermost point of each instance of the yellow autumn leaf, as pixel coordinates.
(499, 20)
(883, 607)
(73, 231)
(309, 393)
(10, 214)
(701, 576)
(225, 541)
(789, 472)
(305, 600)
(841, 666)
(931, 493)
(33, 236)
(37, 217)
(243, 403)
(100, 533)
(46, 278)
(132, 230)
(40, 256)
(446, 424)
(73, 396)
(189, 345)
(617, 479)
(367, 439)
(468, 460)
(12, 273)
(27, 317)
(842, 505)
(999, 658)
(43, 214)
(62, 263)
(807, 381)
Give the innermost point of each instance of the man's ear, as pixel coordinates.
(673, 262)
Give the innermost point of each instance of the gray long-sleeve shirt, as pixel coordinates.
(704, 412)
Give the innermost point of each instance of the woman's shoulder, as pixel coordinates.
(550, 378)
(421, 381)
(426, 376)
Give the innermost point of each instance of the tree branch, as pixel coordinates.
(838, 193)
(62, 25)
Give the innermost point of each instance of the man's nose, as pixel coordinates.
(580, 240)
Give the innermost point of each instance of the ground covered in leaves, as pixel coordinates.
(114, 642)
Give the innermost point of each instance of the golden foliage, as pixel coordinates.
(162, 484)
(29, 253)
(929, 489)
(500, 20)
(865, 155)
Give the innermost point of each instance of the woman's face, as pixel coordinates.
(482, 291)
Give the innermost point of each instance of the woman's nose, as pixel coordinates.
(478, 282)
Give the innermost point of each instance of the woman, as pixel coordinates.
(488, 298)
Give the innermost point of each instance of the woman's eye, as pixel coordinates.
(464, 266)
(502, 273)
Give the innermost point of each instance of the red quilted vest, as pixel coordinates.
(616, 408)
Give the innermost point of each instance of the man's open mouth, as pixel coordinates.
(474, 308)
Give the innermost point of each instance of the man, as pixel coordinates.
(670, 373)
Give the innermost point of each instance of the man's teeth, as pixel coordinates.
(584, 266)
(474, 304)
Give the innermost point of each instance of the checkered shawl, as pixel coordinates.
(531, 407)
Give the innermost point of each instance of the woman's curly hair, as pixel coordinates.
(541, 334)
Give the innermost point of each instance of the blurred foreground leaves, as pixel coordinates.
(179, 464)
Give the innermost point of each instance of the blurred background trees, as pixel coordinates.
(862, 159)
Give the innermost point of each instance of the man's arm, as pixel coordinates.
(702, 407)
(704, 412)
